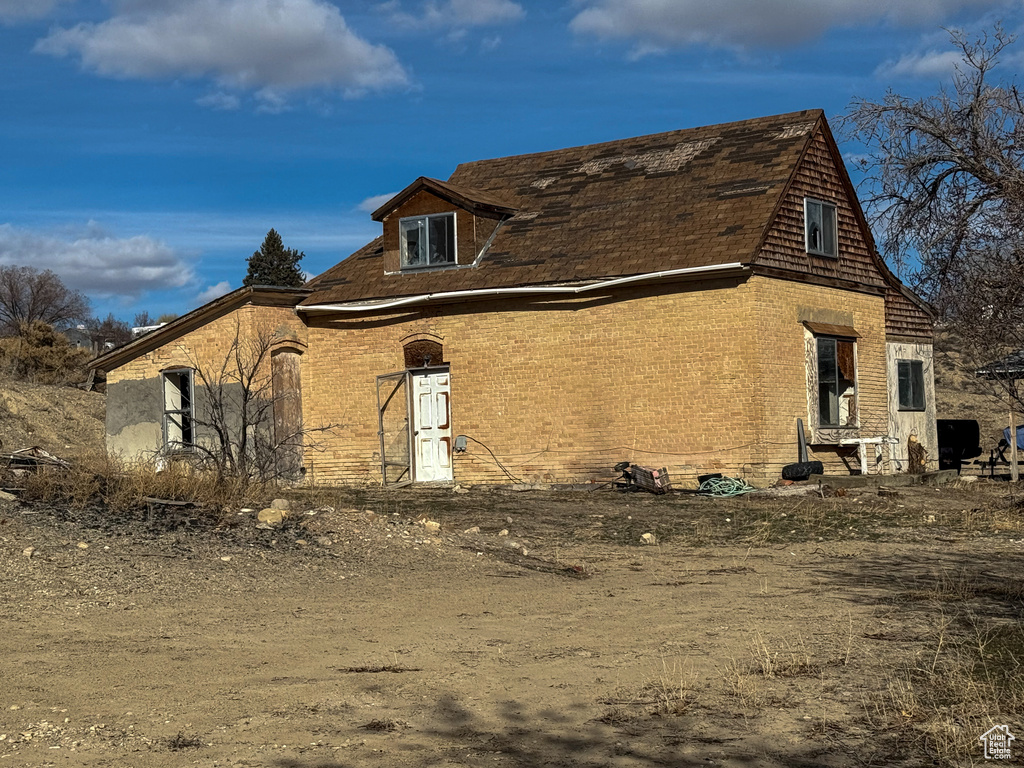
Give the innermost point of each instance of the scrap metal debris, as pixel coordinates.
(33, 458)
(644, 478)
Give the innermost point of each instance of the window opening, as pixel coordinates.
(910, 374)
(427, 241)
(820, 228)
(837, 377)
(178, 409)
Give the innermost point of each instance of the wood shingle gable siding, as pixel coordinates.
(821, 176)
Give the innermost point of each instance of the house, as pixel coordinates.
(675, 300)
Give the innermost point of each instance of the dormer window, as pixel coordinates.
(820, 228)
(427, 241)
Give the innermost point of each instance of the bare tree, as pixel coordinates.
(28, 295)
(109, 332)
(235, 429)
(944, 190)
(944, 180)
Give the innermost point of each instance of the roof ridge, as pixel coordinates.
(803, 113)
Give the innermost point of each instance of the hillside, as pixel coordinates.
(63, 420)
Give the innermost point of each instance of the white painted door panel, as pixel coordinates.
(433, 432)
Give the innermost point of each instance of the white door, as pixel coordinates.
(432, 431)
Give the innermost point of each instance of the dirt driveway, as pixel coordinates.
(756, 631)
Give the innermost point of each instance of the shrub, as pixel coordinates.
(41, 355)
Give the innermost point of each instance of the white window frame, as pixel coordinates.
(425, 219)
(820, 206)
(175, 433)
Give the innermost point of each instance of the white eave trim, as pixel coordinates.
(530, 290)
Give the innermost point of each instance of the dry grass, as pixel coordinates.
(970, 675)
(121, 489)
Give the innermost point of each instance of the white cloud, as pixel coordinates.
(220, 100)
(371, 204)
(20, 10)
(741, 23)
(927, 64)
(96, 263)
(457, 14)
(271, 47)
(213, 292)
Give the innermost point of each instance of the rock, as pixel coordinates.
(649, 538)
(324, 541)
(460, 489)
(503, 532)
(508, 520)
(301, 542)
(370, 516)
(474, 529)
(28, 552)
(432, 525)
(271, 516)
(968, 478)
(246, 510)
(5, 496)
(226, 558)
(283, 504)
(82, 545)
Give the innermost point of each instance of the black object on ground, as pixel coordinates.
(802, 470)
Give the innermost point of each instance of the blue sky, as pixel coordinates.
(146, 146)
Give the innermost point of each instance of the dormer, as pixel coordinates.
(433, 225)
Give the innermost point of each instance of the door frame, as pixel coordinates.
(427, 371)
(405, 378)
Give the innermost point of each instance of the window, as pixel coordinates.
(837, 382)
(911, 384)
(820, 228)
(178, 433)
(427, 241)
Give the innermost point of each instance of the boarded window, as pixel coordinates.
(837, 382)
(423, 353)
(178, 409)
(911, 384)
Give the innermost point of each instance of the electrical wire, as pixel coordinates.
(497, 463)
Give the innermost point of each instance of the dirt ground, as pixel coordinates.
(762, 630)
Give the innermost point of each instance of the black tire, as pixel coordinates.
(701, 479)
(802, 470)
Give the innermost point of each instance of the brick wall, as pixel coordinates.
(698, 378)
(785, 392)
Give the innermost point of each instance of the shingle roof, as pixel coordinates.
(463, 196)
(690, 198)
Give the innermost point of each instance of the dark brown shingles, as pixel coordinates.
(668, 201)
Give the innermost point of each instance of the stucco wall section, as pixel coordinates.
(921, 424)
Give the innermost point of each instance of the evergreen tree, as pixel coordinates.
(273, 264)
